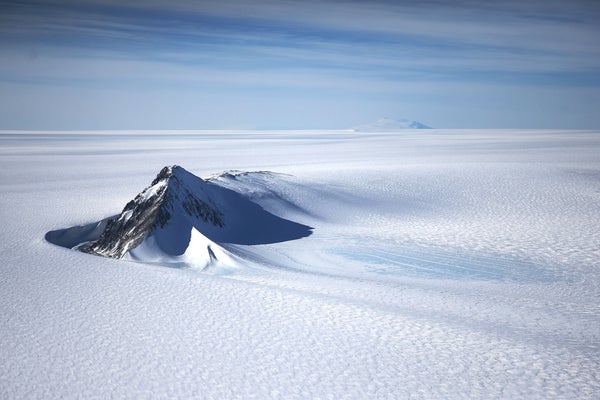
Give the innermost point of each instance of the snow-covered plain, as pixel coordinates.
(441, 264)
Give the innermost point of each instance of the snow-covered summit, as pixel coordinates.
(174, 196)
(181, 218)
(389, 124)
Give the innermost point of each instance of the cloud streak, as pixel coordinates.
(355, 48)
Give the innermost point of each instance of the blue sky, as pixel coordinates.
(91, 64)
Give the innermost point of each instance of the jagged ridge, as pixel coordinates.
(154, 207)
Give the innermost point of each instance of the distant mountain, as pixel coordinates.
(389, 124)
(183, 218)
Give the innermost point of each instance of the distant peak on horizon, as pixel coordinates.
(390, 124)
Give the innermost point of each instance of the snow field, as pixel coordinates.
(443, 264)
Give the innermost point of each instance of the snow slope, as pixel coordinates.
(441, 264)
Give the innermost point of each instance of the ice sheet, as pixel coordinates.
(442, 264)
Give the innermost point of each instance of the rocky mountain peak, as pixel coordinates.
(173, 193)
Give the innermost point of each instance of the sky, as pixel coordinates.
(268, 64)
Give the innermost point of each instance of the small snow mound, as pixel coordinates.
(389, 124)
(200, 254)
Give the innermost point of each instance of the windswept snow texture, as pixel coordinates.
(390, 125)
(442, 264)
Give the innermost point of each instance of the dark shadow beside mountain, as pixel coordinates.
(248, 223)
(75, 235)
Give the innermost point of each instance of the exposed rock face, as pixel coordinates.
(174, 191)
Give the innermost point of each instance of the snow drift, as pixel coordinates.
(181, 218)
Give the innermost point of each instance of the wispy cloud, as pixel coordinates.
(353, 47)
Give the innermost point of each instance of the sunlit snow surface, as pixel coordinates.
(442, 264)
